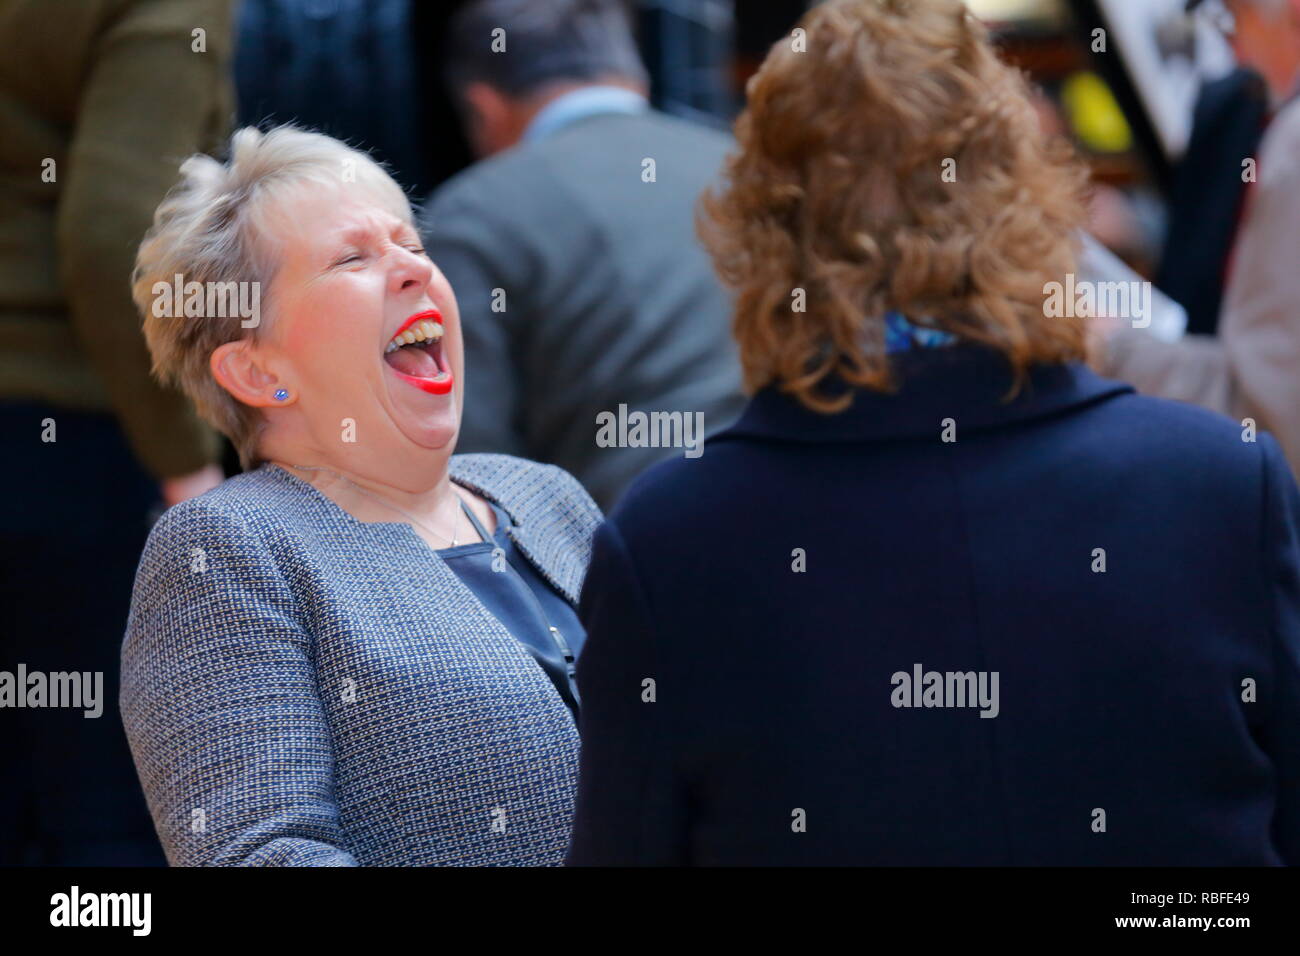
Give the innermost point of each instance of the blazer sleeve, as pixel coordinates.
(631, 802)
(220, 703)
(1282, 572)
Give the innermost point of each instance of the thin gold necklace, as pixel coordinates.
(388, 504)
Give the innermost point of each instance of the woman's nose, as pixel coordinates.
(411, 270)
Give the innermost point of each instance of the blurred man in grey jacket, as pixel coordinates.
(585, 297)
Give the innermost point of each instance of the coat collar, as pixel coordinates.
(966, 383)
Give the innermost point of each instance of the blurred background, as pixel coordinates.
(1126, 102)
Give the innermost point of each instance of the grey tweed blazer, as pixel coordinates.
(301, 688)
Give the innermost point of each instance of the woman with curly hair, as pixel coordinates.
(942, 595)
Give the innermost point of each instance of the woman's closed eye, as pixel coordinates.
(356, 256)
(352, 252)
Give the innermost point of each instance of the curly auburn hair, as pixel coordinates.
(837, 191)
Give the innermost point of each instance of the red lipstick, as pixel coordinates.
(434, 386)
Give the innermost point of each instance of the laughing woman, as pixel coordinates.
(360, 651)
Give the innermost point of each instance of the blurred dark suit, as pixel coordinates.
(1205, 208)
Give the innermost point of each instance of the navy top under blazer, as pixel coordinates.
(739, 710)
(301, 688)
(537, 615)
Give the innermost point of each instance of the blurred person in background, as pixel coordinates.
(571, 244)
(100, 99)
(1249, 367)
(354, 70)
(943, 595)
(1265, 38)
(1229, 118)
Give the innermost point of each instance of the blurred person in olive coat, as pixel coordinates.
(101, 100)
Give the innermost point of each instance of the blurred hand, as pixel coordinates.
(1100, 329)
(178, 489)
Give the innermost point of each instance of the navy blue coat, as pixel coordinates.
(1126, 565)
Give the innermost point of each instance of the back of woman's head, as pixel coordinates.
(887, 160)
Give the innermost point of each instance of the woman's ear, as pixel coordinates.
(241, 370)
(490, 119)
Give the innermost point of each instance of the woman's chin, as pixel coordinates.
(424, 410)
(431, 422)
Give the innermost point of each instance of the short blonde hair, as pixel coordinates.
(837, 189)
(210, 228)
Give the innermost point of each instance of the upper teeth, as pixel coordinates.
(423, 331)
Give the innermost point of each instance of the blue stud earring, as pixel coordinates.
(281, 394)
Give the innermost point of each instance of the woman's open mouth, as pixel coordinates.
(415, 353)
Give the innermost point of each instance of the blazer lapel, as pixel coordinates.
(537, 528)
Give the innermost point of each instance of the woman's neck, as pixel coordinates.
(430, 502)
